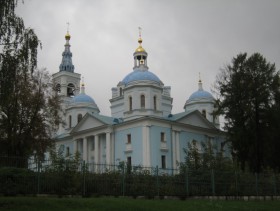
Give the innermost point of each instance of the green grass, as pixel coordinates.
(126, 204)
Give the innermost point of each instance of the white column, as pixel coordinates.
(75, 147)
(108, 148)
(177, 147)
(85, 150)
(174, 150)
(146, 146)
(96, 149)
(96, 153)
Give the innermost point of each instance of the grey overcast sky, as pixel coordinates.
(182, 38)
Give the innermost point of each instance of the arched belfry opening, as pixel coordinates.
(58, 88)
(70, 90)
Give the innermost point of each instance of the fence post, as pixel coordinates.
(274, 185)
(236, 183)
(213, 182)
(157, 181)
(38, 176)
(187, 180)
(257, 184)
(123, 180)
(84, 178)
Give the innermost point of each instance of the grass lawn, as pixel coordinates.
(103, 203)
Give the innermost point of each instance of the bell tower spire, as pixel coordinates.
(140, 55)
(67, 82)
(66, 63)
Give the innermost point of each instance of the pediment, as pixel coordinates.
(88, 122)
(195, 118)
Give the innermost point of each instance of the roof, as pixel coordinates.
(175, 117)
(105, 119)
(82, 98)
(63, 135)
(140, 75)
(201, 94)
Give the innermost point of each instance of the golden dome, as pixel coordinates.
(140, 48)
(67, 36)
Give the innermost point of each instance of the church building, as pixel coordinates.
(142, 130)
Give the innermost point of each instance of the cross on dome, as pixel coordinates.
(67, 36)
(140, 48)
(199, 82)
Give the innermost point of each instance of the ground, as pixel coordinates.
(108, 203)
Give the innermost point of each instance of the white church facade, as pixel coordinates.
(141, 129)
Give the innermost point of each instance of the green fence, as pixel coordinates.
(27, 176)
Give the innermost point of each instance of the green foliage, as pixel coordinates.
(208, 157)
(28, 109)
(193, 157)
(64, 173)
(31, 116)
(68, 176)
(14, 181)
(248, 90)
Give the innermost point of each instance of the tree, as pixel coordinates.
(32, 116)
(247, 92)
(29, 108)
(193, 156)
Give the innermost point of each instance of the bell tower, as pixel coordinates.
(67, 82)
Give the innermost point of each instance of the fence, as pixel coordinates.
(27, 176)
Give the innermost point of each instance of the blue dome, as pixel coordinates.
(82, 98)
(201, 94)
(140, 75)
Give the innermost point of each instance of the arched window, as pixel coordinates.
(204, 113)
(130, 103)
(155, 102)
(70, 90)
(80, 116)
(70, 121)
(142, 101)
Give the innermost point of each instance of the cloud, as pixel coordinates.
(181, 37)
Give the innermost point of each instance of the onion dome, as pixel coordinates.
(140, 48)
(83, 99)
(200, 94)
(140, 75)
(67, 36)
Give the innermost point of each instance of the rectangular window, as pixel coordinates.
(142, 101)
(130, 103)
(162, 137)
(128, 138)
(163, 161)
